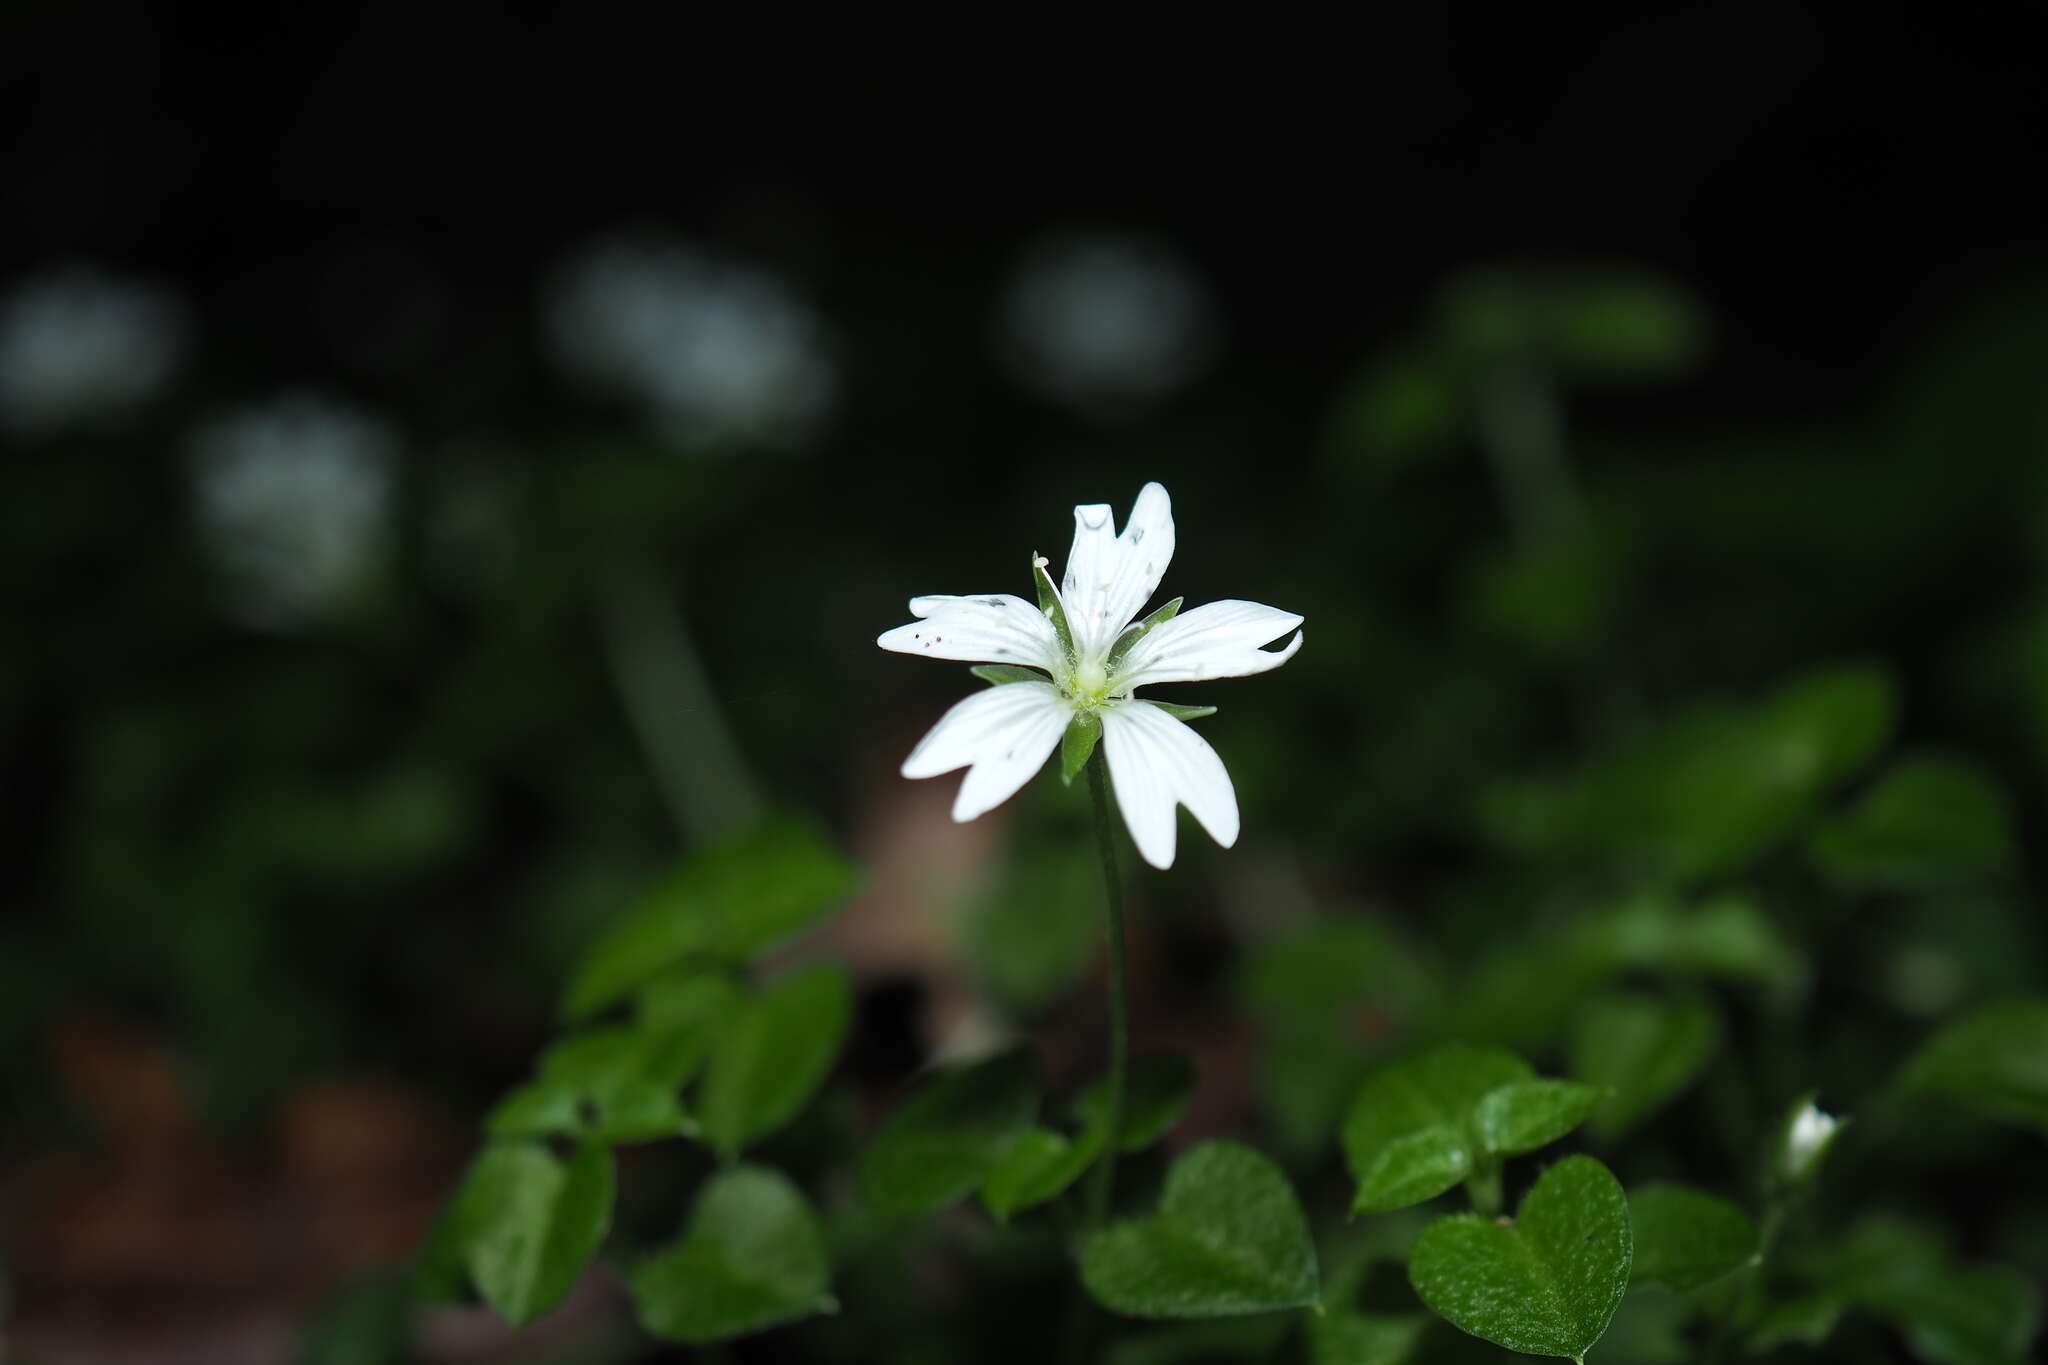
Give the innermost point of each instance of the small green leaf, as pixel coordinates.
(1409, 1135)
(1039, 1167)
(997, 674)
(1157, 1094)
(1077, 743)
(1805, 1321)
(1994, 1061)
(529, 1224)
(1179, 712)
(1524, 1115)
(1033, 934)
(1686, 1238)
(752, 1257)
(773, 1055)
(1229, 1238)
(1643, 1049)
(1546, 1282)
(615, 1084)
(1346, 1337)
(1929, 823)
(724, 906)
(1049, 602)
(686, 999)
(1132, 634)
(950, 1135)
(1405, 408)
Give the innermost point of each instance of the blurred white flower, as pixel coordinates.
(1107, 324)
(82, 347)
(293, 505)
(1807, 1136)
(725, 354)
(1065, 673)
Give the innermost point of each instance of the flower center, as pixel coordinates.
(1089, 685)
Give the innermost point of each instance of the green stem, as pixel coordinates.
(1483, 1189)
(1102, 1180)
(673, 709)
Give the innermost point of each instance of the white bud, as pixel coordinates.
(1806, 1139)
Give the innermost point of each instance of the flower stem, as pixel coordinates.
(1102, 1180)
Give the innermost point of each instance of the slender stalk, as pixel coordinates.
(1484, 1189)
(1102, 1179)
(671, 704)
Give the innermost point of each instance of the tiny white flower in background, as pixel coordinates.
(293, 505)
(1107, 323)
(725, 354)
(1077, 659)
(80, 347)
(1806, 1138)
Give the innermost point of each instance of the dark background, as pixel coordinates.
(290, 907)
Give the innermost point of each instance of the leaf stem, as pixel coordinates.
(1102, 1179)
(1483, 1189)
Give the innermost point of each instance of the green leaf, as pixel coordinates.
(1970, 1317)
(1524, 1115)
(1034, 933)
(529, 1224)
(615, 1084)
(1410, 1135)
(1545, 1283)
(950, 1135)
(1132, 634)
(1643, 1049)
(1994, 1061)
(1156, 1095)
(1686, 1238)
(1930, 823)
(998, 674)
(773, 1055)
(1203, 1342)
(1228, 1238)
(1805, 1321)
(686, 999)
(1039, 1167)
(1179, 712)
(1077, 743)
(1050, 603)
(1837, 719)
(723, 906)
(1347, 1337)
(752, 1257)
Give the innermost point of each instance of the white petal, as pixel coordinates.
(1110, 576)
(1157, 763)
(1002, 736)
(992, 629)
(1218, 640)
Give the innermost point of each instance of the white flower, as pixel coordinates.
(1073, 662)
(293, 502)
(1806, 1139)
(726, 354)
(82, 347)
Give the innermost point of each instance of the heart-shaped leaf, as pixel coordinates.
(771, 1057)
(752, 1256)
(1160, 1086)
(529, 1223)
(1409, 1135)
(1522, 1116)
(1992, 1061)
(1686, 1238)
(1929, 823)
(1229, 1237)
(949, 1136)
(727, 904)
(1039, 1167)
(614, 1084)
(1545, 1283)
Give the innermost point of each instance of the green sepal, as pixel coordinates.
(997, 674)
(1054, 609)
(1133, 634)
(1183, 712)
(1078, 743)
